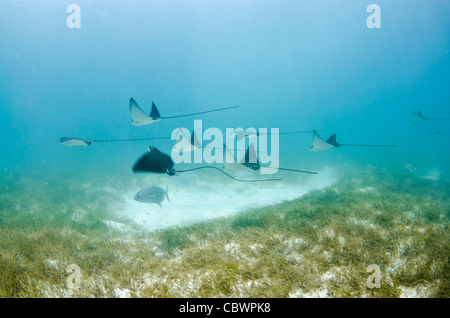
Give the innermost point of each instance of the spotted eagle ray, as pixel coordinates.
(320, 144)
(71, 141)
(140, 118)
(251, 161)
(158, 162)
(418, 117)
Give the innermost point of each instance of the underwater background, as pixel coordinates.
(293, 65)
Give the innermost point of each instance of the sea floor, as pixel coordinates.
(347, 232)
(203, 196)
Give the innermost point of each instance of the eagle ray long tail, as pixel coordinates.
(437, 118)
(356, 145)
(135, 139)
(230, 176)
(199, 113)
(293, 170)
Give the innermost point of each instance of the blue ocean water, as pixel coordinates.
(292, 65)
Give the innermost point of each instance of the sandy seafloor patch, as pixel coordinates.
(204, 195)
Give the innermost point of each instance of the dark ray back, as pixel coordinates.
(154, 113)
(154, 161)
(332, 141)
(251, 160)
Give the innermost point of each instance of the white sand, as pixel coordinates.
(205, 195)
